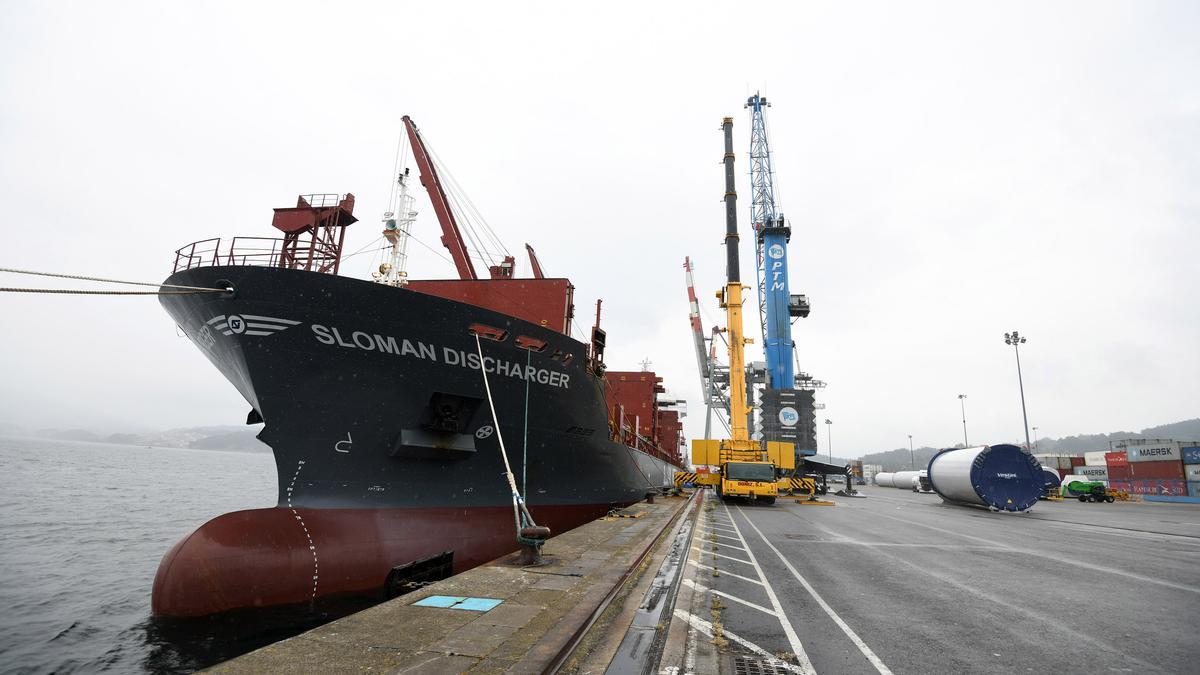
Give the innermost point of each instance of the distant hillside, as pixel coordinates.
(899, 459)
(242, 439)
(70, 435)
(1187, 430)
(201, 438)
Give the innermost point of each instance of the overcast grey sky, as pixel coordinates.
(951, 171)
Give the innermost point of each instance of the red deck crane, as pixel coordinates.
(452, 237)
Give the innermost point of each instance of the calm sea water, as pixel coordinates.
(82, 529)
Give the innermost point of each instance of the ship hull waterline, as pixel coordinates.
(385, 447)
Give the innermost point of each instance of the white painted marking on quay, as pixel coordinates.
(705, 589)
(858, 642)
(727, 557)
(789, 632)
(724, 573)
(1060, 559)
(707, 628)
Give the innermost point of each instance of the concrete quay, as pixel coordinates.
(539, 624)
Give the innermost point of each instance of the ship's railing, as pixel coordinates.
(322, 200)
(257, 251)
(201, 253)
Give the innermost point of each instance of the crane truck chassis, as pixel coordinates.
(747, 473)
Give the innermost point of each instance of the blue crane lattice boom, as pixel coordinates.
(771, 236)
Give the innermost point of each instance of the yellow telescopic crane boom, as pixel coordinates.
(743, 468)
(731, 300)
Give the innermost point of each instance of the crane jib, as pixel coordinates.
(772, 235)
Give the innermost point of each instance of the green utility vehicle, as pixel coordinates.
(1088, 491)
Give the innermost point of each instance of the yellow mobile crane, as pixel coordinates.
(745, 467)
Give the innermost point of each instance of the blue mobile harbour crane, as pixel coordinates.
(787, 408)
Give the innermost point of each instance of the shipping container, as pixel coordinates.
(1191, 472)
(1118, 458)
(1119, 472)
(1094, 472)
(1157, 452)
(1076, 461)
(1194, 488)
(1172, 470)
(1094, 458)
(1190, 455)
(1160, 487)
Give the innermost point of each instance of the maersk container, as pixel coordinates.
(1155, 452)
(999, 477)
(903, 479)
(884, 479)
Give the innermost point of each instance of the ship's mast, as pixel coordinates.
(397, 228)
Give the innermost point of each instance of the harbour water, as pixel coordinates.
(82, 529)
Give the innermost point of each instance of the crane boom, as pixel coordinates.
(745, 467)
(451, 236)
(694, 318)
(771, 236)
(731, 300)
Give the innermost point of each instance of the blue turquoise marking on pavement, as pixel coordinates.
(459, 602)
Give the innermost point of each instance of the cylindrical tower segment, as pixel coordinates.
(999, 477)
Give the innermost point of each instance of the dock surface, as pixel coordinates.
(896, 582)
(543, 612)
(900, 582)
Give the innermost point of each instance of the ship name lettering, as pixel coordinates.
(387, 344)
(493, 365)
(374, 342)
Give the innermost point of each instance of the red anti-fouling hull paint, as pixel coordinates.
(277, 556)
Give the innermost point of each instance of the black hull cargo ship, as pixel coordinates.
(373, 401)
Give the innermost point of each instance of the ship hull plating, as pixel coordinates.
(386, 450)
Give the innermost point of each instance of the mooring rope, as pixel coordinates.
(184, 290)
(520, 512)
(76, 291)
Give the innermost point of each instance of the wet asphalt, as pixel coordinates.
(901, 582)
